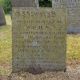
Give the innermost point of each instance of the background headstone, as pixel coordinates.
(73, 11)
(73, 8)
(24, 3)
(39, 39)
(2, 17)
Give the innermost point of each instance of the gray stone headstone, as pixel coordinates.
(73, 9)
(24, 3)
(2, 17)
(73, 13)
(39, 39)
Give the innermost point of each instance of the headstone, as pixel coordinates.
(2, 17)
(73, 8)
(24, 3)
(38, 39)
(73, 11)
(58, 3)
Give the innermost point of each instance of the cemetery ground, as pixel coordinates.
(73, 58)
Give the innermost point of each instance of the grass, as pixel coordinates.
(73, 47)
(5, 46)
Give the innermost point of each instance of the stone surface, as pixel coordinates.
(24, 3)
(39, 39)
(73, 20)
(73, 13)
(2, 17)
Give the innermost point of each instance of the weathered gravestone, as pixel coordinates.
(73, 7)
(2, 17)
(73, 13)
(39, 39)
(24, 3)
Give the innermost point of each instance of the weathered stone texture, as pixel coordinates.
(24, 3)
(39, 39)
(73, 13)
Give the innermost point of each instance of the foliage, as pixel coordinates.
(45, 3)
(1, 2)
(7, 6)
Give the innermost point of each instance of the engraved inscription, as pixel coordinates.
(39, 38)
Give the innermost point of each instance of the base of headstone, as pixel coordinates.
(38, 70)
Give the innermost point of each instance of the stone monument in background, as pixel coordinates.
(24, 3)
(73, 13)
(38, 38)
(2, 17)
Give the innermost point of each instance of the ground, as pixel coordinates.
(73, 58)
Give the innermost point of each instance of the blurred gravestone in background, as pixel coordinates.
(24, 3)
(73, 13)
(38, 38)
(73, 8)
(2, 17)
